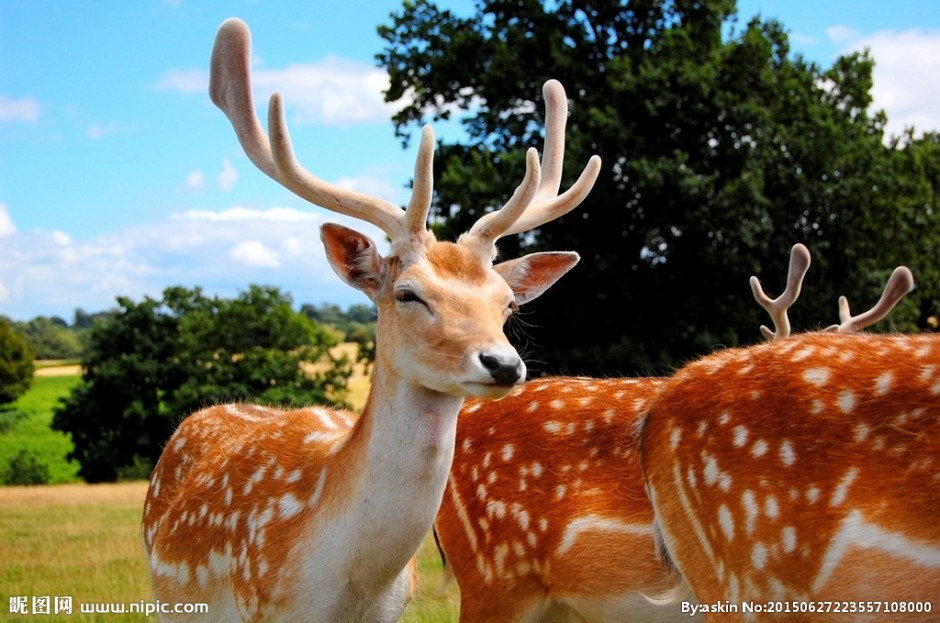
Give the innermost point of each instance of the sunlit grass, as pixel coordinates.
(84, 541)
(33, 433)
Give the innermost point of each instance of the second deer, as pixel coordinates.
(802, 476)
(546, 518)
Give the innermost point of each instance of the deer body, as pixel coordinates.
(545, 517)
(314, 514)
(803, 470)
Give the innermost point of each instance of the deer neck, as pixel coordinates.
(404, 441)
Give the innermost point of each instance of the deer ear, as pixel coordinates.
(531, 275)
(353, 256)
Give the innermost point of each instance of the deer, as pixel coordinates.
(546, 518)
(799, 479)
(316, 514)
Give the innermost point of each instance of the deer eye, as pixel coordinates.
(406, 295)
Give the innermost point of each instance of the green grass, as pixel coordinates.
(33, 433)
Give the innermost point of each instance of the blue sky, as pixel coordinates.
(119, 177)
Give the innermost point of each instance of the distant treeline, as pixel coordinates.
(53, 337)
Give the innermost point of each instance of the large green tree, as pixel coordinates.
(16, 362)
(151, 363)
(721, 149)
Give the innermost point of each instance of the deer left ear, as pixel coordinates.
(531, 275)
(353, 256)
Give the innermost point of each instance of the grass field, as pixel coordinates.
(83, 541)
(33, 433)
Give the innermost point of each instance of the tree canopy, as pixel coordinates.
(721, 150)
(151, 363)
(16, 363)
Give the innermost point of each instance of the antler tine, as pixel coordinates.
(777, 308)
(899, 284)
(384, 215)
(545, 204)
(423, 189)
(230, 90)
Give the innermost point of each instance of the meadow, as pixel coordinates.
(83, 541)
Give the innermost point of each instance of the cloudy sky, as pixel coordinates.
(119, 177)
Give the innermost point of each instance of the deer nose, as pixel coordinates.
(504, 368)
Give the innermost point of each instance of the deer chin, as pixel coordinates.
(487, 390)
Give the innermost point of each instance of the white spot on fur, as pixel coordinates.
(740, 435)
(883, 383)
(749, 502)
(842, 489)
(788, 537)
(597, 523)
(759, 556)
(759, 448)
(288, 506)
(787, 454)
(771, 508)
(726, 521)
(812, 495)
(817, 376)
(674, 437)
(508, 450)
(847, 401)
(552, 427)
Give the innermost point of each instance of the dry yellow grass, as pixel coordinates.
(80, 541)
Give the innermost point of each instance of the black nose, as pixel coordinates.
(505, 371)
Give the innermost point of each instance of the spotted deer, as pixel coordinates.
(314, 514)
(545, 516)
(802, 476)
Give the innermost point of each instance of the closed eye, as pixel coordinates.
(408, 296)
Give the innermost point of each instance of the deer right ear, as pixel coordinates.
(353, 257)
(531, 275)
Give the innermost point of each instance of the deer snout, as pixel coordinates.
(505, 367)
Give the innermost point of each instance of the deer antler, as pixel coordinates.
(536, 201)
(900, 283)
(777, 308)
(230, 90)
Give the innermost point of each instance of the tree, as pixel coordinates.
(16, 363)
(721, 150)
(152, 363)
(51, 338)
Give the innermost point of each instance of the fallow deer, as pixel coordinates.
(545, 517)
(799, 479)
(314, 514)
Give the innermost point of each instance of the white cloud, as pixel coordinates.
(24, 109)
(98, 131)
(841, 34)
(52, 273)
(228, 176)
(184, 81)
(7, 228)
(195, 180)
(332, 91)
(907, 70)
(254, 253)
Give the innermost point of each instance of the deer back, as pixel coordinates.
(804, 469)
